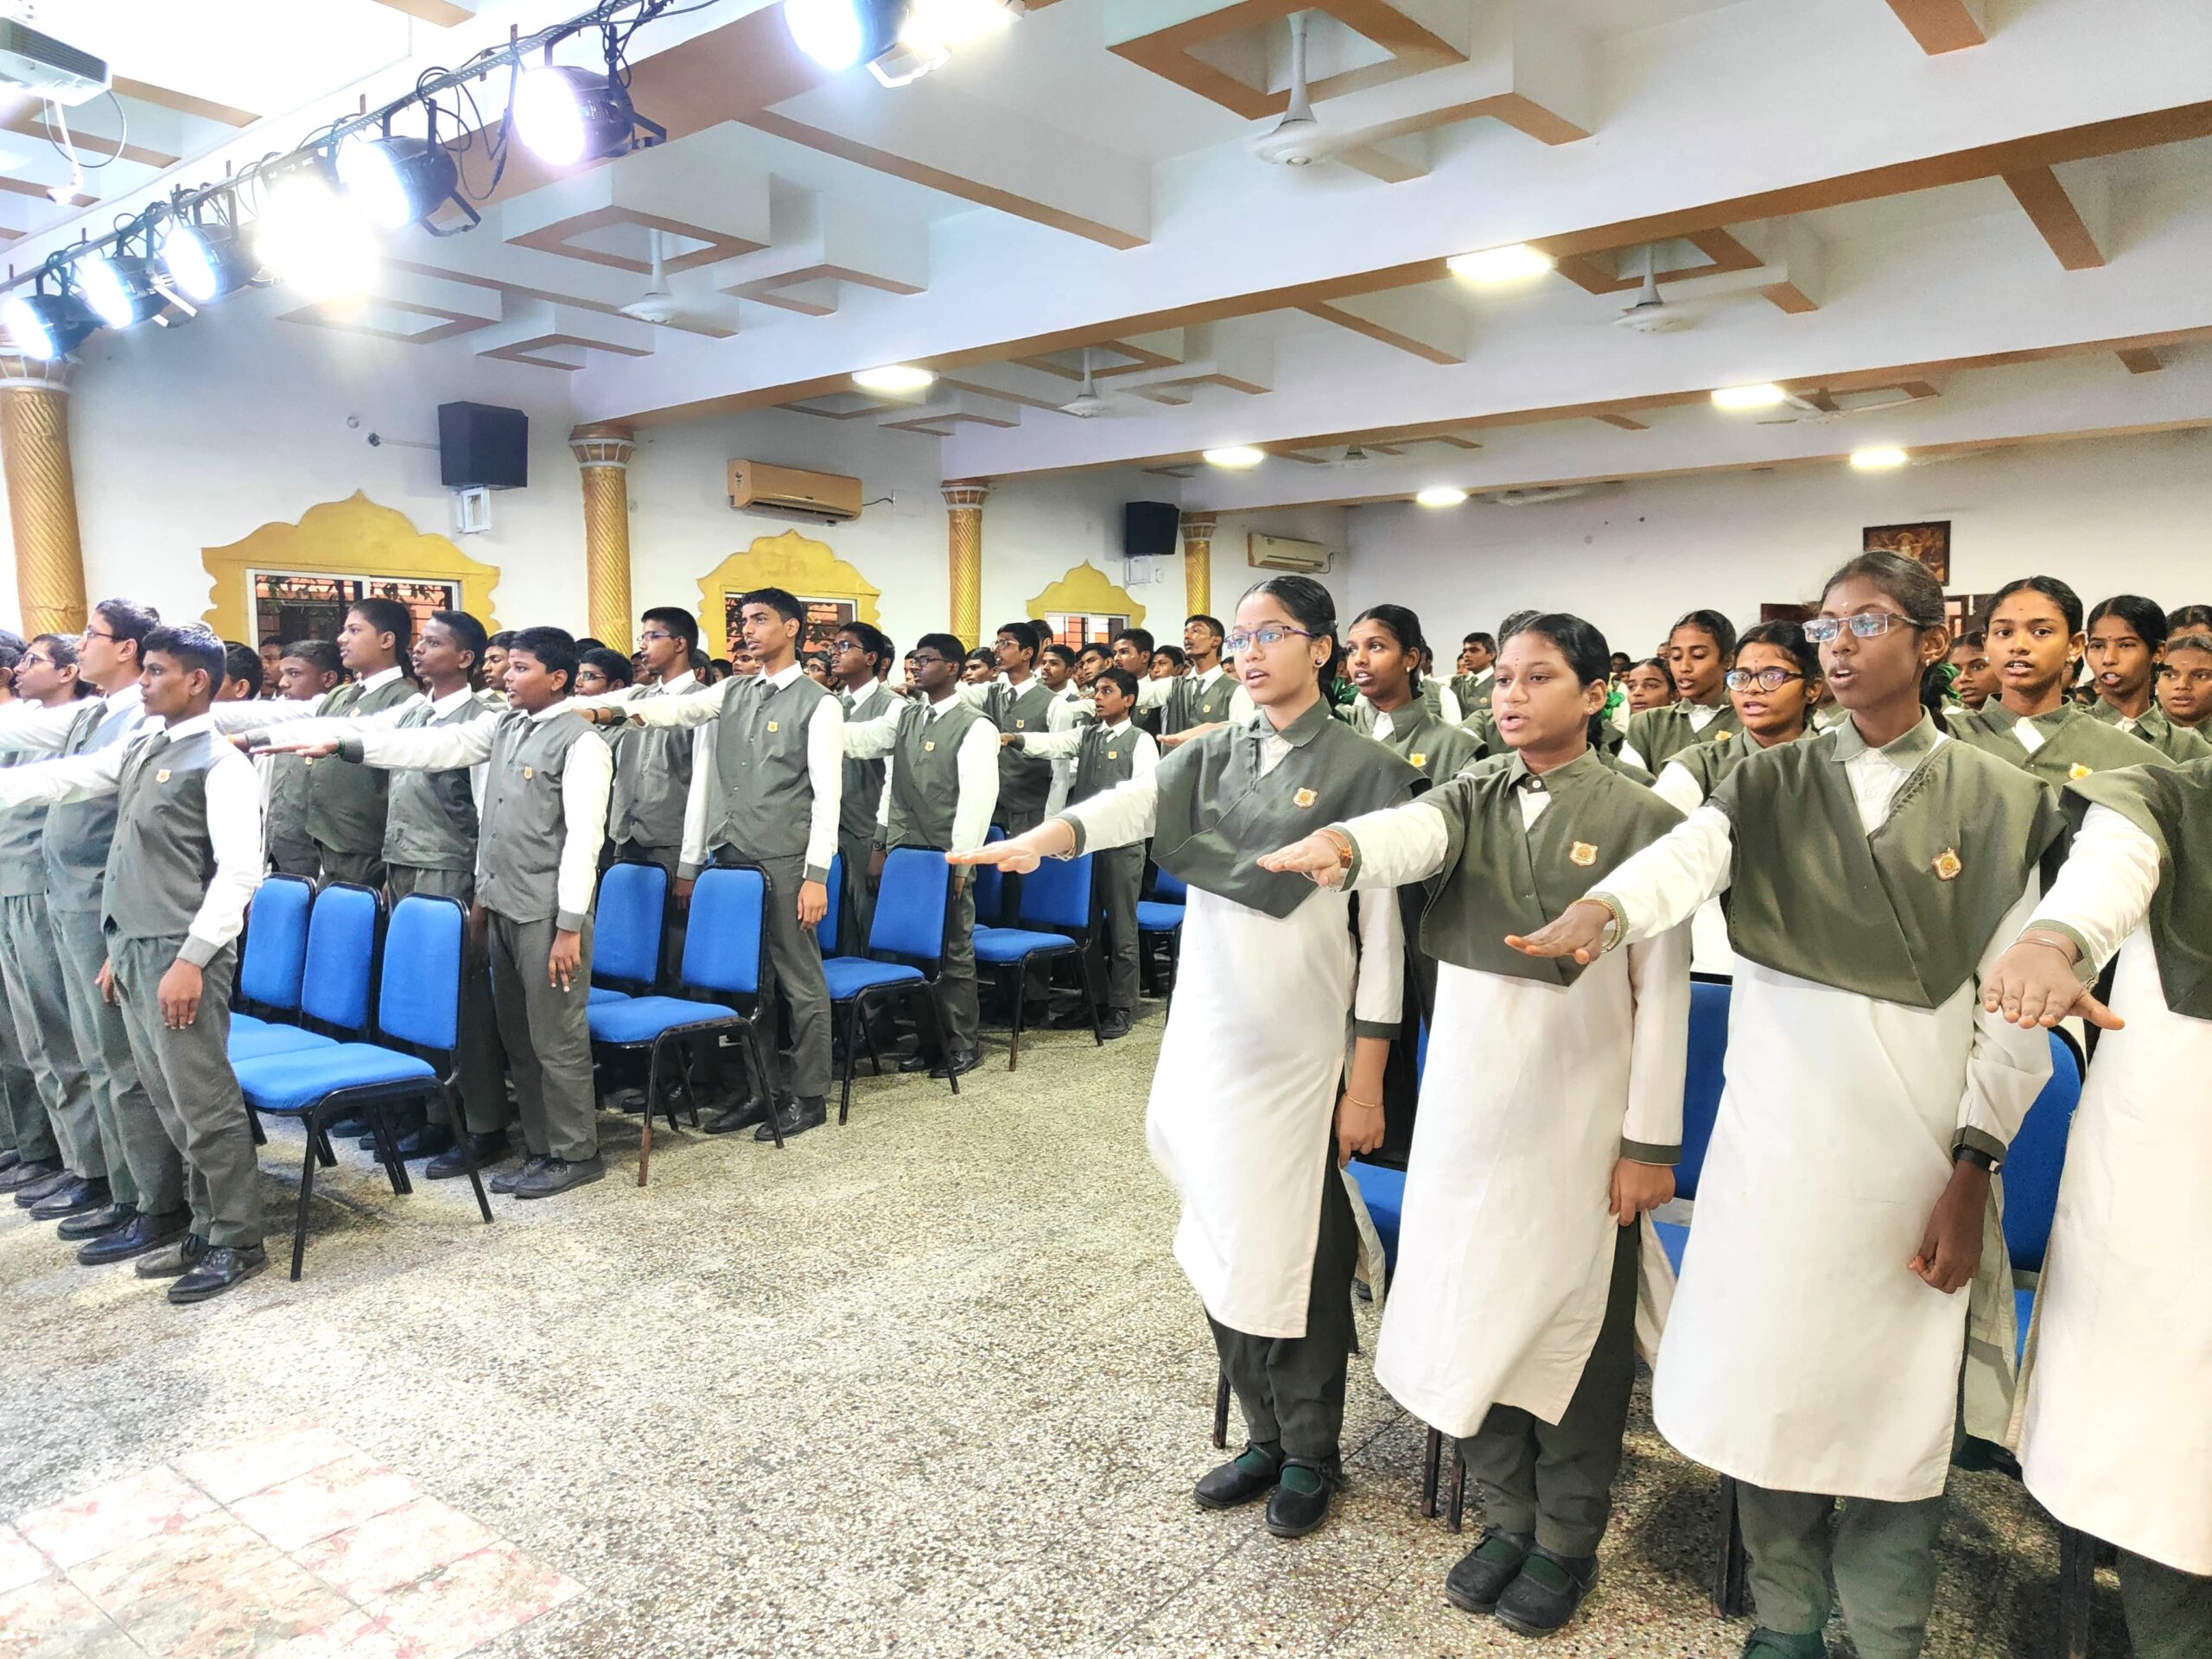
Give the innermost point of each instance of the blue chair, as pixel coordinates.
(1701, 1084)
(909, 925)
(338, 969)
(725, 954)
(626, 926)
(420, 1014)
(275, 954)
(1160, 922)
(1056, 913)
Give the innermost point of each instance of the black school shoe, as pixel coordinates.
(223, 1266)
(140, 1235)
(732, 1119)
(1115, 1022)
(1300, 1502)
(8, 1158)
(506, 1180)
(1479, 1579)
(171, 1264)
(1763, 1644)
(37, 1181)
(796, 1117)
(92, 1222)
(557, 1175)
(1546, 1592)
(453, 1163)
(1251, 1473)
(78, 1198)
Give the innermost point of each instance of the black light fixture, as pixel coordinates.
(568, 115)
(119, 285)
(204, 258)
(45, 326)
(399, 180)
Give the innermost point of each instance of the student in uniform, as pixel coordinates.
(766, 791)
(2126, 639)
(1511, 1322)
(496, 646)
(241, 673)
(1699, 648)
(308, 672)
(603, 671)
(1815, 1344)
(941, 786)
(24, 1112)
(860, 667)
(183, 862)
(1477, 652)
(652, 764)
(2036, 640)
(2116, 1441)
(345, 804)
(981, 666)
(272, 658)
(1253, 1108)
(544, 818)
(1973, 681)
(1650, 684)
(2185, 681)
(1168, 663)
(1018, 702)
(1089, 661)
(1097, 756)
(1132, 653)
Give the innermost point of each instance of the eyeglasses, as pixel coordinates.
(923, 659)
(1266, 639)
(1866, 624)
(1767, 680)
(95, 633)
(644, 638)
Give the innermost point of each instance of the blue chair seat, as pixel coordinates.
(604, 994)
(641, 1019)
(263, 1040)
(1154, 916)
(2024, 1307)
(245, 1022)
(848, 977)
(289, 1084)
(1004, 945)
(1383, 1191)
(1673, 1238)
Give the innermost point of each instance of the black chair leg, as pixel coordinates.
(253, 1122)
(306, 1192)
(2077, 1570)
(1432, 1462)
(387, 1147)
(941, 1033)
(1021, 997)
(1458, 1485)
(1221, 1411)
(645, 1120)
(461, 1138)
(1089, 993)
(1731, 1572)
(319, 1138)
(851, 1060)
(756, 1058)
(683, 1085)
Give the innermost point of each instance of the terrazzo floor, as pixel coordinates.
(928, 1384)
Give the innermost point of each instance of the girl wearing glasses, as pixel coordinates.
(1550, 1120)
(1699, 648)
(2036, 645)
(2116, 1439)
(2127, 639)
(1269, 965)
(1818, 1347)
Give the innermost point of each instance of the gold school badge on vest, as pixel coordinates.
(1946, 864)
(929, 745)
(2076, 772)
(1582, 855)
(771, 725)
(163, 776)
(1418, 759)
(1304, 797)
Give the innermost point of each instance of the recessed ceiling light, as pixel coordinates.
(1506, 264)
(1441, 495)
(1236, 455)
(1765, 395)
(896, 377)
(1880, 458)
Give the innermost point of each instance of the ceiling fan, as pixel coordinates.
(657, 304)
(1820, 408)
(1688, 299)
(1089, 403)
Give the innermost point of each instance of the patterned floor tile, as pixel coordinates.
(479, 1598)
(20, 1563)
(227, 1474)
(107, 1517)
(395, 1548)
(295, 1513)
(53, 1619)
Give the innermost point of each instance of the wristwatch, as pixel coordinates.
(1975, 1155)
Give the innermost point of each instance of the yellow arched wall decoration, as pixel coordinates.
(353, 537)
(799, 564)
(1088, 589)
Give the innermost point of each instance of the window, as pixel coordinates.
(293, 605)
(823, 618)
(1080, 628)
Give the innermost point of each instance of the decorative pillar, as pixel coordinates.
(963, 546)
(604, 452)
(1197, 530)
(41, 494)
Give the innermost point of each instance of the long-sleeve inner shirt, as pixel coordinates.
(978, 763)
(2103, 891)
(1060, 748)
(31, 728)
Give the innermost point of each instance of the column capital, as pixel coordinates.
(1196, 527)
(965, 492)
(42, 374)
(607, 443)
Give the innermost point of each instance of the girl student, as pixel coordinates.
(1650, 684)
(2185, 681)
(1774, 684)
(1253, 1105)
(2116, 1439)
(2036, 645)
(1550, 1120)
(1699, 648)
(1818, 1348)
(2126, 641)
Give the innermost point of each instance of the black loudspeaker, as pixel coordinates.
(1149, 529)
(481, 445)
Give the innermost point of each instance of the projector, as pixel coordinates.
(44, 67)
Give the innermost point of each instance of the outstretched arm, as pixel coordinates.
(2101, 895)
(77, 778)
(1659, 888)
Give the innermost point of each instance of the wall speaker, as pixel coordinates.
(1149, 529)
(481, 446)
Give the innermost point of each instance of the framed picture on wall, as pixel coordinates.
(1080, 628)
(1928, 543)
(291, 604)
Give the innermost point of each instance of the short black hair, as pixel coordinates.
(240, 662)
(193, 643)
(12, 647)
(555, 649)
(982, 657)
(129, 620)
(505, 639)
(1094, 648)
(609, 661)
(778, 600)
(318, 654)
(1479, 637)
(1065, 653)
(1173, 654)
(873, 642)
(678, 621)
(1213, 622)
(1027, 635)
(943, 644)
(587, 642)
(1119, 679)
(1971, 639)
(467, 633)
(1140, 637)
(390, 616)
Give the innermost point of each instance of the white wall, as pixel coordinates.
(2107, 515)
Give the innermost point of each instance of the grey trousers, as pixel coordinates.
(547, 1038)
(1882, 1554)
(24, 1127)
(1118, 879)
(1556, 1480)
(2169, 1612)
(294, 858)
(957, 984)
(1292, 1389)
(857, 902)
(38, 1009)
(367, 869)
(483, 1073)
(795, 977)
(187, 1072)
(144, 1167)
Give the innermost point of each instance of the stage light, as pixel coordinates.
(935, 27)
(45, 326)
(1235, 456)
(119, 288)
(568, 115)
(894, 377)
(1441, 495)
(205, 262)
(397, 181)
(314, 239)
(1878, 459)
(1510, 264)
(838, 33)
(1765, 395)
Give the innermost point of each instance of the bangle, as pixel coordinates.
(1350, 1099)
(2065, 948)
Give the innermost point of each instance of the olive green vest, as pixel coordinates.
(2178, 743)
(1502, 876)
(1103, 758)
(1426, 743)
(764, 805)
(863, 792)
(2174, 807)
(1659, 735)
(653, 778)
(79, 833)
(2075, 743)
(1708, 762)
(345, 804)
(1901, 915)
(518, 853)
(1024, 781)
(430, 816)
(1217, 813)
(22, 835)
(162, 857)
(925, 774)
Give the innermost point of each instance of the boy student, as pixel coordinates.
(1018, 702)
(345, 804)
(241, 673)
(544, 817)
(1477, 652)
(652, 768)
(308, 672)
(184, 860)
(1092, 658)
(940, 787)
(495, 664)
(858, 667)
(129, 1147)
(766, 791)
(1099, 755)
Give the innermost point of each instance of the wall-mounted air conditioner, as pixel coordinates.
(827, 498)
(1283, 553)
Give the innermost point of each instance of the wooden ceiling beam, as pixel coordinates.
(441, 14)
(2141, 359)
(1942, 26)
(2054, 214)
(183, 103)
